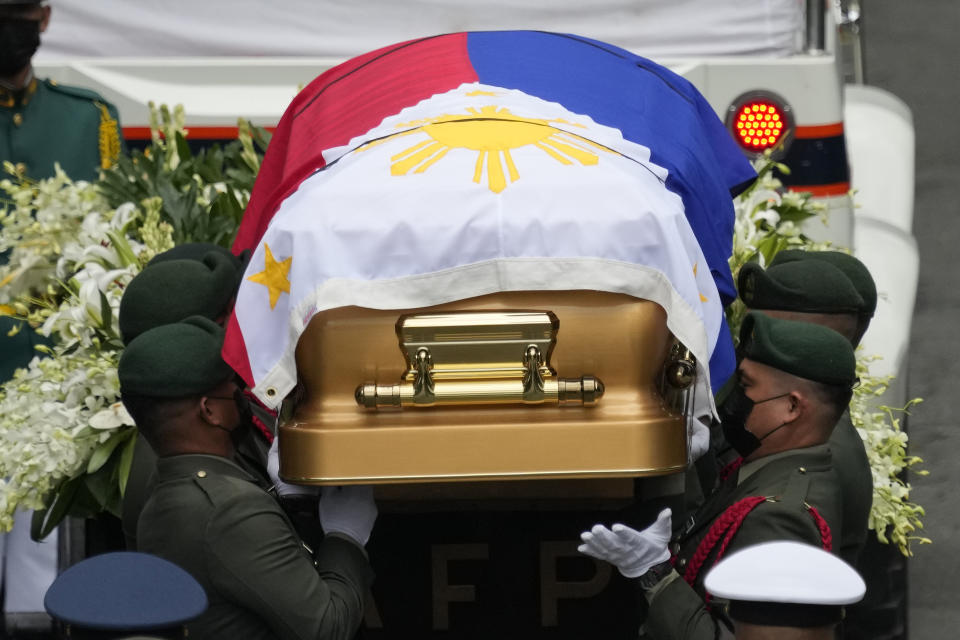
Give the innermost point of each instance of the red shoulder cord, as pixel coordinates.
(826, 538)
(733, 467)
(258, 423)
(726, 526)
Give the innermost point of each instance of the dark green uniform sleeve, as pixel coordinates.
(140, 483)
(678, 612)
(256, 561)
(856, 477)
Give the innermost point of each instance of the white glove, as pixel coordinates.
(285, 490)
(632, 552)
(348, 510)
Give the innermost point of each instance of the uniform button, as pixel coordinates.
(802, 469)
(682, 564)
(201, 474)
(17, 119)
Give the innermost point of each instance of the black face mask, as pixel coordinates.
(19, 39)
(244, 417)
(734, 412)
(246, 412)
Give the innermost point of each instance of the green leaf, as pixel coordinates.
(103, 488)
(227, 210)
(126, 461)
(43, 522)
(102, 453)
(183, 149)
(122, 246)
(795, 214)
(85, 504)
(106, 312)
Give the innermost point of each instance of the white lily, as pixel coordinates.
(112, 417)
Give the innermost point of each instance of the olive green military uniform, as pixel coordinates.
(251, 456)
(190, 279)
(43, 124)
(210, 517)
(856, 486)
(791, 481)
(829, 282)
(850, 463)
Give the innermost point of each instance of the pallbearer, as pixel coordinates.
(835, 290)
(794, 382)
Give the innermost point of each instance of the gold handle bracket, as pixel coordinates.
(470, 382)
(681, 367)
(677, 377)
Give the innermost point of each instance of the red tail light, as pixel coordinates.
(760, 121)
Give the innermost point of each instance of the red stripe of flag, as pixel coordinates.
(234, 351)
(344, 102)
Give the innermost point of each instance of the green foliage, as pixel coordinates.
(203, 193)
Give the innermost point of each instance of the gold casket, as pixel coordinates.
(507, 386)
(479, 288)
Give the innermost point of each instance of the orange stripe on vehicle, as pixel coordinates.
(823, 190)
(819, 131)
(193, 133)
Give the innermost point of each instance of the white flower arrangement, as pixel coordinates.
(66, 442)
(894, 518)
(60, 418)
(767, 220)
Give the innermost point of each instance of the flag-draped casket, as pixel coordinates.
(498, 192)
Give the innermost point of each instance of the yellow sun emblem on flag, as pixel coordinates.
(492, 132)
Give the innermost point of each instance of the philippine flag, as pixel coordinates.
(460, 165)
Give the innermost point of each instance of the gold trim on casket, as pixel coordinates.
(479, 357)
(473, 392)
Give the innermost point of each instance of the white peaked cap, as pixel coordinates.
(786, 572)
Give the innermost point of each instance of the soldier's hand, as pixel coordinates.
(631, 551)
(285, 490)
(348, 510)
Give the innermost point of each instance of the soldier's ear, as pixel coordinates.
(45, 20)
(207, 412)
(798, 404)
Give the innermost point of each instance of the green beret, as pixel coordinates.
(171, 290)
(802, 349)
(807, 286)
(198, 251)
(174, 360)
(855, 270)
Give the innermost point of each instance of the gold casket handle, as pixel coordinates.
(533, 388)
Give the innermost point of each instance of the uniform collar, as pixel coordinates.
(750, 468)
(10, 98)
(195, 464)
